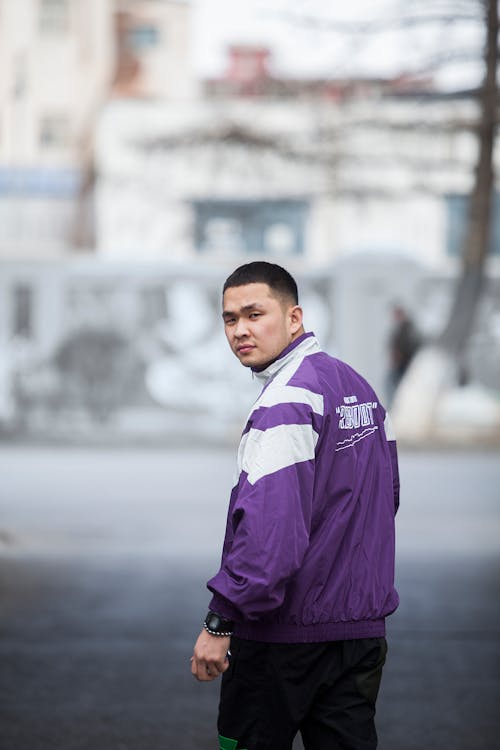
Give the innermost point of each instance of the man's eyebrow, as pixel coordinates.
(244, 309)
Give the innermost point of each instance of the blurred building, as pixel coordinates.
(60, 61)
(249, 74)
(207, 178)
(306, 170)
(109, 143)
(153, 50)
(55, 69)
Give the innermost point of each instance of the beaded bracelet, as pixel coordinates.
(216, 632)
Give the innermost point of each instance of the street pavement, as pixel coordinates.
(103, 560)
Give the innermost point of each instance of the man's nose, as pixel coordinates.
(241, 328)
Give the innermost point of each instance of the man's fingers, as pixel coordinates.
(208, 670)
(202, 675)
(213, 669)
(209, 658)
(203, 671)
(200, 670)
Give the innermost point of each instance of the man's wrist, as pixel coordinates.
(217, 625)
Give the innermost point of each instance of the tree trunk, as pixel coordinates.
(435, 368)
(477, 236)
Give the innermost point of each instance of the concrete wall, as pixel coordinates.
(94, 350)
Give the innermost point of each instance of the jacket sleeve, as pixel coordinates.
(270, 518)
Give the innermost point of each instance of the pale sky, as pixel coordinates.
(309, 50)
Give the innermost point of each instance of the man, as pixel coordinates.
(404, 342)
(296, 624)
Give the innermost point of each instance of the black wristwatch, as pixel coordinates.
(217, 625)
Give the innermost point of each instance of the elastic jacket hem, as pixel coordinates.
(316, 633)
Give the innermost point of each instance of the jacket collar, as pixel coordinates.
(300, 348)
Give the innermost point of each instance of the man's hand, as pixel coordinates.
(209, 657)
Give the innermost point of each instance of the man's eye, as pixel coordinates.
(254, 315)
(229, 321)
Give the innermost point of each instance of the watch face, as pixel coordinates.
(213, 622)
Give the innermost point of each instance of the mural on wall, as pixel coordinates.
(143, 357)
(108, 353)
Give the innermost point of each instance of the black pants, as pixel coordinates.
(325, 691)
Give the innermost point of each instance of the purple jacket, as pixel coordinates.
(308, 554)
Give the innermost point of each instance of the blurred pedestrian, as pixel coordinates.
(296, 624)
(404, 342)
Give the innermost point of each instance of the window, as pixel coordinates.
(143, 37)
(274, 227)
(457, 207)
(22, 311)
(43, 182)
(54, 132)
(54, 16)
(223, 233)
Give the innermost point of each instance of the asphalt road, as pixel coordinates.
(103, 559)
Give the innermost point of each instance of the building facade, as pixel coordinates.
(55, 63)
(307, 179)
(60, 61)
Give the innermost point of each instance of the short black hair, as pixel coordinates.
(262, 272)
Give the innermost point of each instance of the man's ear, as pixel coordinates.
(296, 316)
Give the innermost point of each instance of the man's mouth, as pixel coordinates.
(244, 348)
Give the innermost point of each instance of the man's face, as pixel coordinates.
(259, 325)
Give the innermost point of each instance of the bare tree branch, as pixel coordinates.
(379, 25)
